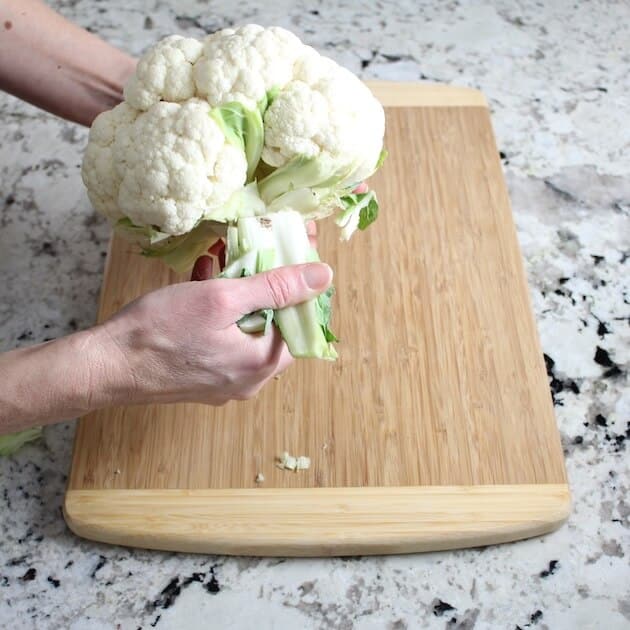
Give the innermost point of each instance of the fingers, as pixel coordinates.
(311, 231)
(218, 250)
(275, 289)
(202, 269)
(311, 228)
(361, 188)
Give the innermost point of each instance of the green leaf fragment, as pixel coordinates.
(368, 214)
(324, 313)
(13, 442)
(381, 158)
(359, 211)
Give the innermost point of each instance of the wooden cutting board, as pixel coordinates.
(434, 430)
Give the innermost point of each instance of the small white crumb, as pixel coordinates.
(259, 478)
(117, 471)
(289, 462)
(303, 463)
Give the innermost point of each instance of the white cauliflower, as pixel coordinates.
(325, 110)
(165, 73)
(100, 170)
(167, 167)
(244, 64)
(177, 167)
(246, 122)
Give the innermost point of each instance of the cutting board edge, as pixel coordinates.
(417, 94)
(318, 521)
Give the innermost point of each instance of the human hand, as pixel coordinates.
(181, 343)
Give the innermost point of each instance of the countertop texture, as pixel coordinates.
(557, 76)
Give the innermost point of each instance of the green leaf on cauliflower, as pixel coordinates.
(359, 210)
(178, 252)
(142, 234)
(243, 127)
(243, 203)
(381, 158)
(324, 313)
(303, 172)
(266, 101)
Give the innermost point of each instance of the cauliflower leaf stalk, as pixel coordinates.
(258, 244)
(243, 136)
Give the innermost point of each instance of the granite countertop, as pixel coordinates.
(556, 76)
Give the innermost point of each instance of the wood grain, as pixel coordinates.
(441, 380)
(320, 521)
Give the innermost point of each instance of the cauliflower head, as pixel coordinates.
(250, 120)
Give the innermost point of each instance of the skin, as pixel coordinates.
(177, 344)
(180, 343)
(56, 65)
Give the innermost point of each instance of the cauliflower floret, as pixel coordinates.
(99, 172)
(243, 64)
(325, 110)
(176, 166)
(164, 73)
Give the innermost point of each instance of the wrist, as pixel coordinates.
(113, 381)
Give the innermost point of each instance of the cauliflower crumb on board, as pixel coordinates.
(259, 478)
(289, 462)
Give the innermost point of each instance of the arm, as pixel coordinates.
(56, 380)
(178, 344)
(56, 65)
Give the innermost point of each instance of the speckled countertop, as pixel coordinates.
(556, 75)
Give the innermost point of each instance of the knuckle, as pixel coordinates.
(220, 300)
(279, 288)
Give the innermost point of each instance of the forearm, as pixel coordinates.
(58, 380)
(56, 65)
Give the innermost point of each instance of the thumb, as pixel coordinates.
(278, 288)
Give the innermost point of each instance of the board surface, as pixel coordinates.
(434, 429)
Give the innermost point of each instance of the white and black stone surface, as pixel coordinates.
(557, 76)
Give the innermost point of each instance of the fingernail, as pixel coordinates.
(317, 276)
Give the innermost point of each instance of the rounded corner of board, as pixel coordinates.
(417, 94)
(79, 519)
(69, 512)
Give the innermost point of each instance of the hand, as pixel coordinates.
(181, 343)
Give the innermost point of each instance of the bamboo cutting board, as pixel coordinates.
(434, 430)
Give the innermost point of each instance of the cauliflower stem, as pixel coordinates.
(257, 244)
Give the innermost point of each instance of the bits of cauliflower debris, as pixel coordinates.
(259, 478)
(289, 462)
